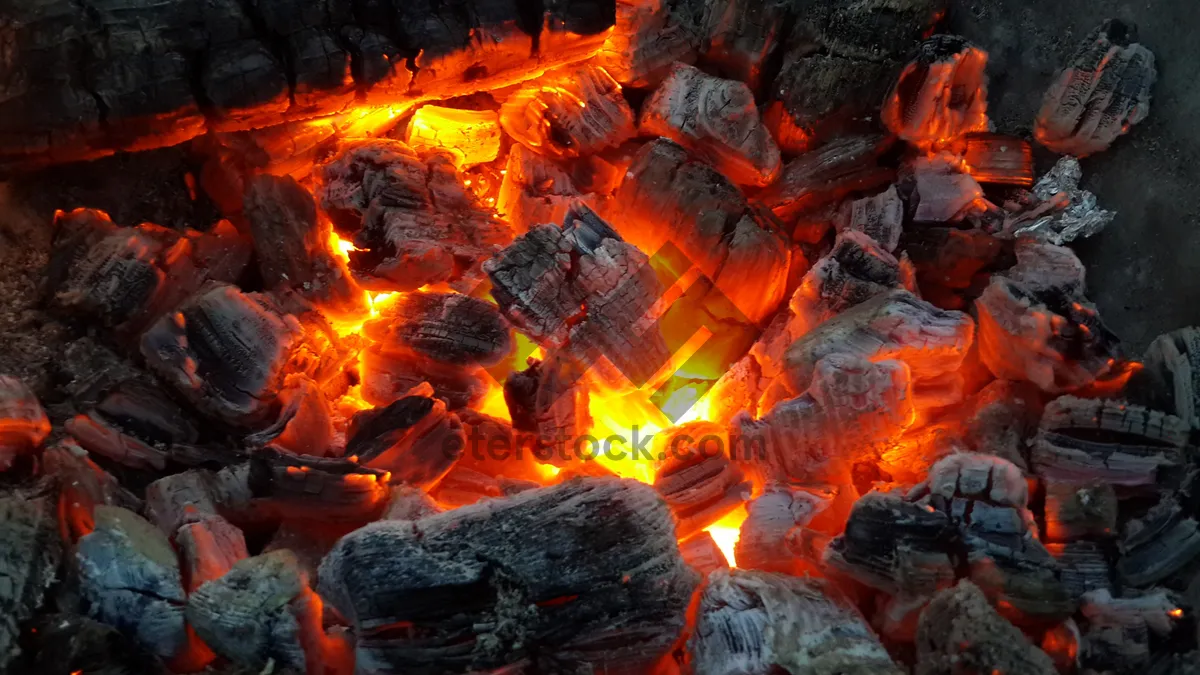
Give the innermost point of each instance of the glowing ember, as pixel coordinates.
(726, 533)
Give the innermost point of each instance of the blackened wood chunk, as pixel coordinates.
(414, 439)
(1117, 632)
(176, 500)
(827, 175)
(772, 524)
(871, 30)
(260, 611)
(1102, 92)
(959, 632)
(549, 399)
(82, 486)
(998, 159)
(1170, 364)
(345, 184)
(224, 350)
(304, 425)
(1163, 543)
(880, 217)
(1085, 566)
(533, 578)
(536, 190)
(23, 423)
(697, 479)
(292, 246)
(757, 623)
(649, 36)
(854, 271)
(315, 488)
(742, 35)
(129, 578)
(30, 550)
(715, 118)
(952, 264)
(389, 375)
(1078, 509)
(817, 97)
(850, 409)
(136, 425)
(446, 327)
(569, 113)
(1107, 440)
(941, 94)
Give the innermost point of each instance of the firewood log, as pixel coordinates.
(30, 550)
(715, 118)
(755, 623)
(827, 175)
(23, 423)
(569, 113)
(941, 94)
(1100, 94)
(960, 633)
(530, 579)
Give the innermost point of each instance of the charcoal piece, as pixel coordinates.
(389, 375)
(702, 554)
(1000, 418)
(1047, 268)
(1076, 510)
(851, 407)
(960, 633)
(208, 548)
(827, 175)
(129, 578)
(952, 264)
(225, 351)
(880, 218)
(30, 550)
(1085, 567)
(741, 36)
(569, 113)
(1058, 211)
(536, 191)
(331, 490)
(550, 399)
(82, 486)
(414, 439)
(462, 486)
(979, 478)
(135, 425)
(469, 137)
(855, 270)
(495, 449)
(1169, 368)
(715, 118)
(419, 224)
(176, 500)
(304, 425)
(620, 603)
(447, 327)
(649, 37)
(69, 643)
(1117, 631)
(1163, 543)
(773, 521)
(292, 245)
(941, 192)
(698, 481)
(1111, 441)
(409, 503)
(758, 250)
(755, 623)
(260, 611)
(996, 159)
(871, 30)
(1102, 92)
(940, 95)
(23, 423)
(894, 325)
(818, 97)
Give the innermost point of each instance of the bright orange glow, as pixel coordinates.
(726, 532)
(1176, 613)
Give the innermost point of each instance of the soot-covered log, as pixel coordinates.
(715, 118)
(827, 175)
(569, 113)
(415, 439)
(959, 632)
(30, 550)
(1102, 92)
(412, 220)
(535, 580)
(757, 623)
(23, 423)
(941, 94)
(156, 74)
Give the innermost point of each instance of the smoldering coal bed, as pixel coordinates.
(591, 337)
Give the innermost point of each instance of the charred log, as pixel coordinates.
(536, 191)
(1076, 510)
(697, 480)
(319, 489)
(1163, 543)
(414, 439)
(649, 36)
(872, 30)
(1170, 367)
(82, 486)
(741, 36)
(854, 271)
(774, 521)
(304, 425)
(827, 175)
(569, 113)
(702, 554)
(135, 425)
(446, 327)
(68, 643)
(389, 375)
(941, 94)
(549, 399)
(819, 96)
(1117, 631)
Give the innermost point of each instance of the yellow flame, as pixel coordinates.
(726, 532)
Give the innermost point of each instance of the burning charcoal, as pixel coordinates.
(697, 480)
(650, 36)
(873, 30)
(304, 425)
(82, 486)
(880, 218)
(292, 245)
(615, 607)
(1000, 417)
(208, 549)
(582, 287)
(702, 554)
(996, 159)
(895, 325)
(446, 327)
(941, 95)
(741, 36)
(756, 250)
(854, 271)
(1059, 210)
(417, 223)
(495, 449)
(1076, 510)
(225, 351)
(389, 375)
(773, 520)
(179, 499)
(536, 191)
(951, 264)
(319, 489)
(985, 495)
(462, 486)
(1117, 631)
(1084, 565)
(409, 503)
(569, 113)
(68, 643)
(755, 623)
(30, 549)
(23, 423)
(819, 96)
(129, 578)
(960, 633)
(828, 175)
(1104, 91)
(851, 406)
(941, 193)
(549, 398)
(1111, 441)
(136, 425)
(261, 611)
(1169, 367)
(717, 119)
(470, 137)
(1161, 544)
(414, 439)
